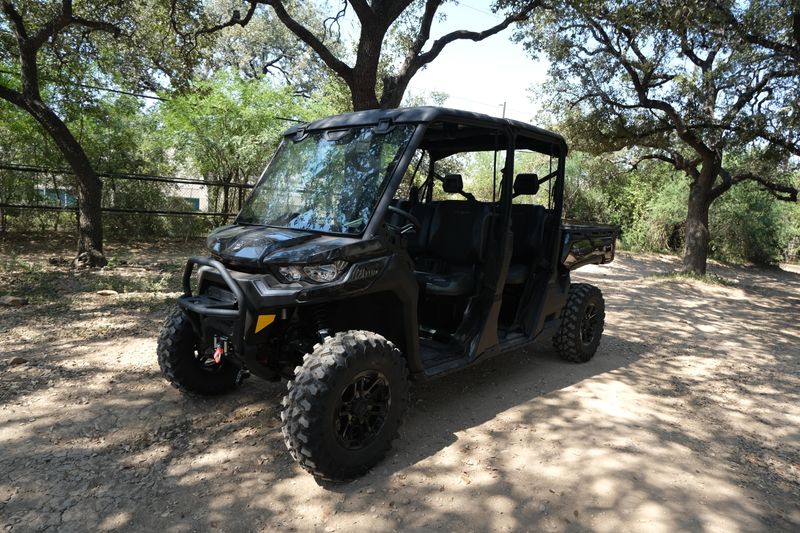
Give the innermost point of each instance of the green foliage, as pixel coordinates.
(224, 130)
(265, 48)
(747, 225)
(649, 205)
(658, 226)
(228, 127)
(689, 83)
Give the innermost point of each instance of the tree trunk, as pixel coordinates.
(695, 253)
(225, 202)
(90, 215)
(365, 71)
(394, 88)
(363, 95)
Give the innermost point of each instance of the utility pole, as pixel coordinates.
(504, 109)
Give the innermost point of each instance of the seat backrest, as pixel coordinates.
(418, 241)
(394, 218)
(459, 230)
(527, 224)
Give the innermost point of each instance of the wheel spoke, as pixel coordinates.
(363, 409)
(588, 324)
(369, 389)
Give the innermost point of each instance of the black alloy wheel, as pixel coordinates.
(362, 413)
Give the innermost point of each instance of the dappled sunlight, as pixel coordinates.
(686, 419)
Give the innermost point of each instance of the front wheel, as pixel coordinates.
(188, 366)
(582, 321)
(345, 405)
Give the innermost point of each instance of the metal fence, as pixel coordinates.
(35, 173)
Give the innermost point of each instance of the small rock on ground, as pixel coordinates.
(107, 292)
(13, 301)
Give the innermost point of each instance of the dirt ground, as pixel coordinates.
(688, 418)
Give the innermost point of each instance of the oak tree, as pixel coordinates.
(708, 87)
(53, 57)
(393, 41)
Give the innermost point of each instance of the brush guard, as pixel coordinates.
(205, 306)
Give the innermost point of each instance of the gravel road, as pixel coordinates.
(688, 418)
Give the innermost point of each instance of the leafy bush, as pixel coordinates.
(659, 226)
(649, 204)
(745, 225)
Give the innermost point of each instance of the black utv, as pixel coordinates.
(380, 247)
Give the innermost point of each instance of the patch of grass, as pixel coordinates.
(46, 284)
(12, 263)
(149, 282)
(710, 279)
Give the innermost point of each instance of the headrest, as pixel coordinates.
(527, 184)
(452, 183)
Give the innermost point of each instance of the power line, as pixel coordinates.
(494, 15)
(95, 87)
(129, 93)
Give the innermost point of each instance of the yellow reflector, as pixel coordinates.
(264, 321)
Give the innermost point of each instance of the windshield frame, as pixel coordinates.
(389, 182)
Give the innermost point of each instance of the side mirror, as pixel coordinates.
(526, 184)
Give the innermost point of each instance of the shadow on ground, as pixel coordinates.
(687, 419)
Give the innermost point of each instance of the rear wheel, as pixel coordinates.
(188, 366)
(582, 321)
(345, 405)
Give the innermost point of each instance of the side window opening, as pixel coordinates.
(529, 162)
(480, 174)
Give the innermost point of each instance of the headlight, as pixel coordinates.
(325, 273)
(316, 273)
(291, 273)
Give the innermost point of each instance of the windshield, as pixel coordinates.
(329, 181)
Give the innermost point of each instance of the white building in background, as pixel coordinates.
(195, 195)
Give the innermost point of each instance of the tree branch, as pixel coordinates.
(654, 156)
(53, 26)
(439, 44)
(779, 191)
(772, 138)
(389, 11)
(17, 23)
(756, 89)
(642, 92)
(362, 9)
(329, 22)
(305, 35)
(431, 6)
(12, 96)
(718, 190)
(97, 25)
(791, 49)
(236, 19)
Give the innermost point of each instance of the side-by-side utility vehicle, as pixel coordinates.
(377, 248)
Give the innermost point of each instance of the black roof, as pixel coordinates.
(531, 137)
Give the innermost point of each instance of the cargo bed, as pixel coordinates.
(585, 244)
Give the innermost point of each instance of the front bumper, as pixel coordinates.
(220, 317)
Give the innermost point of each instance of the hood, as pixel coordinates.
(255, 246)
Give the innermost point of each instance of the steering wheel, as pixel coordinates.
(413, 222)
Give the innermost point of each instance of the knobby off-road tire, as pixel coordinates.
(582, 320)
(186, 366)
(345, 405)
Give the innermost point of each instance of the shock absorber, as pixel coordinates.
(321, 320)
